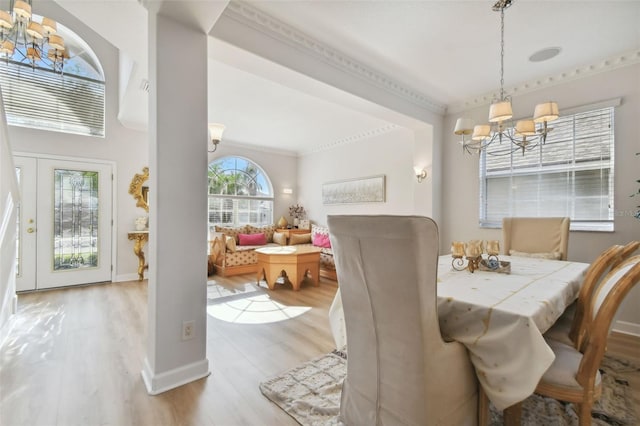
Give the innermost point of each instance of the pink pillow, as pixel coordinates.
(321, 240)
(252, 239)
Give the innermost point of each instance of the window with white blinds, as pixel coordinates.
(570, 175)
(41, 99)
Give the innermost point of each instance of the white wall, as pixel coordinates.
(128, 148)
(390, 154)
(9, 198)
(460, 187)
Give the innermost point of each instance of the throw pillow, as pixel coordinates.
(321, 240)
(231, 244)
(280, 238)
(300, 239)
(231, 231)
(252, 239)
(554, 255)
(267, 230)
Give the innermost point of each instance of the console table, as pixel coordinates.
(140, 238)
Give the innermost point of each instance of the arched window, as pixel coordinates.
(239, 193)
(39, 98)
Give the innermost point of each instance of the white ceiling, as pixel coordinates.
(446, 50)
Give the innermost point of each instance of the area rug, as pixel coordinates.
(310, 393)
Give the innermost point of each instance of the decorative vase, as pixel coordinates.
(296, 222)
(282, 222)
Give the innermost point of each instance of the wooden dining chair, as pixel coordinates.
(574, 375)
(546, 237)
(627, 251)
(399, 370)
(570, 327)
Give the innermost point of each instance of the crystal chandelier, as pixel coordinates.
(526, 134)
(23, 39)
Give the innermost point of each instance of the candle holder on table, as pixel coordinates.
(469, 256)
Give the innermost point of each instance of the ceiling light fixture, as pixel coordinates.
(526, 134)
(215, 135)
(23, 39)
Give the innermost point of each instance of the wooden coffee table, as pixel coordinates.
(292, 262)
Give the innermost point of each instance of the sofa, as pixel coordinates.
(232, 249)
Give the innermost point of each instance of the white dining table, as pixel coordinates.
(500, 318)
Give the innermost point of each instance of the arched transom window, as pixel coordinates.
(39, 98)
(240, 193)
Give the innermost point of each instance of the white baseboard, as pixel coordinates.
(158, 383)
(127, 277)
(627, 328)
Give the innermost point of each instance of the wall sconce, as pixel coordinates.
(287, 191)
(215, 135)
(421, 173)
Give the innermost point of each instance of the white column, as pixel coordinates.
(178, 204)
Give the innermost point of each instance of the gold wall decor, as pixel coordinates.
(139, 191)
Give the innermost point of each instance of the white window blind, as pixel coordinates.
(41, 99)
(570, 175)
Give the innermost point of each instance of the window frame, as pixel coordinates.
(571, 169)
(73, 102)
(236, 210)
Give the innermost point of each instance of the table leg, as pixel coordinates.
(137, 250)
(314, 271)
(483, 407)
(513, 415)
(260, 275)
(272, 274)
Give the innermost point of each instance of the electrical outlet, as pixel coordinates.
(188, 329)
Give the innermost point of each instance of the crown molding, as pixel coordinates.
(351, 139)
(249, 15)
(232, 144)
(611, 63)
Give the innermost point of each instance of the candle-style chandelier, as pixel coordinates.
(526, 134)
(24, 40)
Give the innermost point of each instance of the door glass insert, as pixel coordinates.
(75, 219)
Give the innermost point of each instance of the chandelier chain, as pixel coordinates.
(526, 134)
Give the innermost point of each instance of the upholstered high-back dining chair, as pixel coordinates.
(399, 370)
(536, 236)
(574, 376)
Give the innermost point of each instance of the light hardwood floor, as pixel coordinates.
(74, 356)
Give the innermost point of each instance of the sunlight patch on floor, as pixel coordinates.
(247, 303)
(259, 309)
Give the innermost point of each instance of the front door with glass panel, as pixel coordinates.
(64, 231)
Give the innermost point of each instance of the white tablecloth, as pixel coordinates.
(500, 318)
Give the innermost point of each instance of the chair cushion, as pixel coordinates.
(564, 369)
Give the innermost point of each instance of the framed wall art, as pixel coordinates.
(360, 190)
